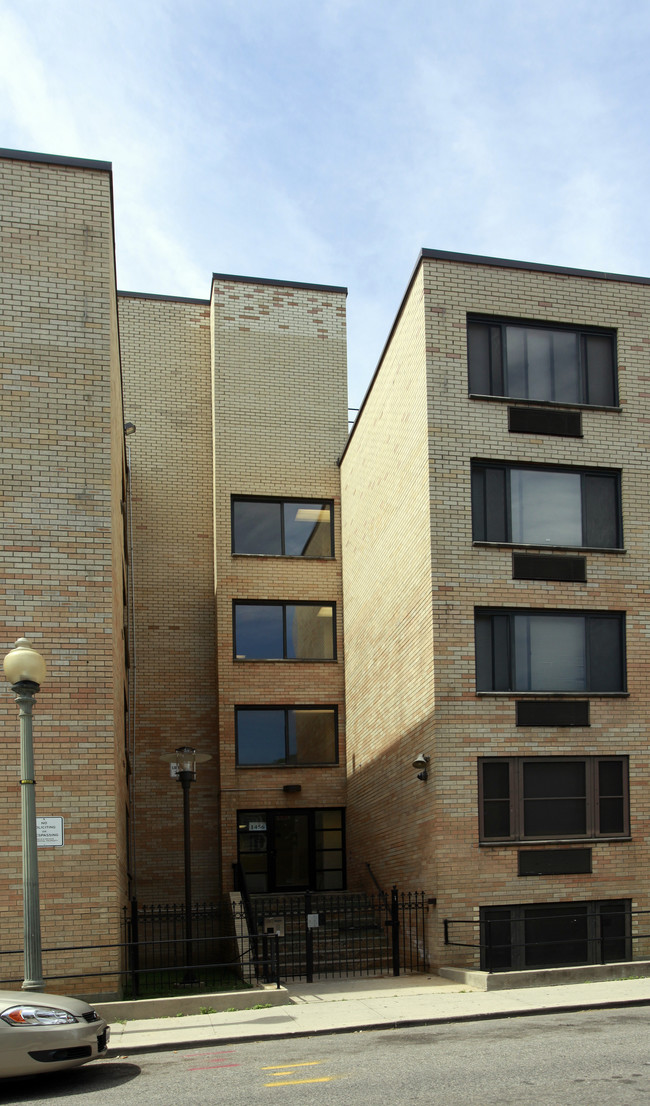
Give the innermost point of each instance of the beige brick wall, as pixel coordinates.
(280, 417)
(438, 841)
(388, 624)
(61, 553)
(166, 359)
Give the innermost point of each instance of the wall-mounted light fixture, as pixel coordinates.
(421, 762)
(129, 428)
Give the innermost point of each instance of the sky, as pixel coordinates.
(329, 142)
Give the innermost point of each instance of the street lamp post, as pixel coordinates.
(25, 671)
(185, 760)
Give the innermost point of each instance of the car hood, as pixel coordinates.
(41, 998)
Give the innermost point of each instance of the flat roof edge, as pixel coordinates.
(56, 159)
(157, 296)
(533, 266)
(281, 283)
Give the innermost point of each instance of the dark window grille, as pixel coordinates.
(545, 420)
(540, 566)
(550, 712)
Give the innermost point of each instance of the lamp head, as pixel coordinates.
(23, 663)
(421, 761)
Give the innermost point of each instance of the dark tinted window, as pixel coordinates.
(286, 735)
(282, 527)
(541, 363)
(553, 934)
(545, 506)
(546, 797)
(552, 651)
(257, 527)
(284, 631)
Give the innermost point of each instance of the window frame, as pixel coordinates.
(283, 603)
(516, 766)
(503, 651)
(281, 500)
(497, 344)
(286, 709)
(480, 499)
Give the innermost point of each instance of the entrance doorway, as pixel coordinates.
(292, 850)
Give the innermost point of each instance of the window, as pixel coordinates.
(286, 735)
(282, 527)
(541, 363)
(284, 631)
(545, 935)
(553, 651)
(546, 506)
(545, 797)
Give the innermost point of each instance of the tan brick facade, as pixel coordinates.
(413, 578)
(62, 549)
(166, 365)
(120, 563)
(280, 418)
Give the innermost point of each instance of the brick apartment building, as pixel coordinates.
(486, 522)
(496, 550)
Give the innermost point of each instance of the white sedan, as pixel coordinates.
(41, 1033)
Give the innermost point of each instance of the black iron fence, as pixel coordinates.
(514, 941)
(250, 940)
(155, 957)
(217, 957)
(343, 934)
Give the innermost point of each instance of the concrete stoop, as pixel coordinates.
(547, 977)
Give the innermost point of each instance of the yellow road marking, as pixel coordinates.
(291, 1082)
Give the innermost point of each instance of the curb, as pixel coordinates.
(400, 1023)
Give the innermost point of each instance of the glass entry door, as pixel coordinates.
(292, 850)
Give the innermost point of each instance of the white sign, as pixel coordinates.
(49, 833)
(313, 921)
(257, 827)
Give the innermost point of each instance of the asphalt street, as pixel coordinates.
(583, 1058)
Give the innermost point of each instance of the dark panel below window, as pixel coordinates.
(542, 420)
(538, 712)
(531, 566)
(554, 862)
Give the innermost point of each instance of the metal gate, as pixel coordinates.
(341, 934)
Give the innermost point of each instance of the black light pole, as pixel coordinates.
(183, 765)
(185, 760)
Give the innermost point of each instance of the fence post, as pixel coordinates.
(276, 957)
(134, 949)
(488, 944)
(394, 921)
(309, 940)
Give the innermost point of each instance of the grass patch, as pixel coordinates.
(167, 984)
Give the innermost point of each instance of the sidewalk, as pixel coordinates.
(344, 1006)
